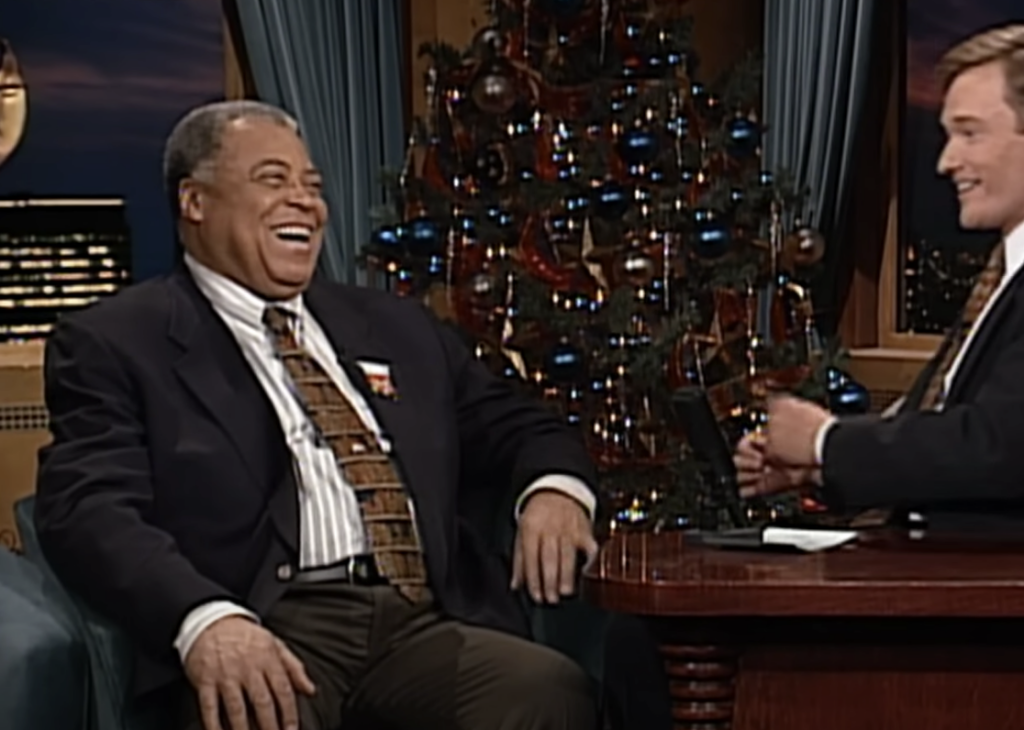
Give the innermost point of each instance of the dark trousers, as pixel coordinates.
(381, 662)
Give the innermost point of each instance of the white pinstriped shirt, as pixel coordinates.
(329, 517)
(330, 524)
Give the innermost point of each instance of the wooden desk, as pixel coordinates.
(892, 634)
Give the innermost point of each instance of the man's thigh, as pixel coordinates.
(463, 677)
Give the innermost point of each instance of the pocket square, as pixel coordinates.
(378, 377)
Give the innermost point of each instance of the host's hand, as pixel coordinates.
(553, 530)
(793, 426)
(235, 660)
(757, 476)
(749, 458)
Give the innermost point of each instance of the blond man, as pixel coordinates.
(955, 447)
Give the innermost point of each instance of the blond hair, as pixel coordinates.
(1005, 45)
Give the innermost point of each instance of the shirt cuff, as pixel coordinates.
(201, 618)
(819, 440)
(568, 485)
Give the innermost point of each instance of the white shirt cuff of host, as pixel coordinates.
(819, 440)
(200, 618)
(568, 485)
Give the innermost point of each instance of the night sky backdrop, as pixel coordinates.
(933, 27)
(106, 80)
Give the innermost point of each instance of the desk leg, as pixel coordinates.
(702, 681)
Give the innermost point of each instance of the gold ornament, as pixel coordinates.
(804, 247)
(13, 101)
(638, 268)
(494, 88)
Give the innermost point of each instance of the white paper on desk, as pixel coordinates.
(807, 540)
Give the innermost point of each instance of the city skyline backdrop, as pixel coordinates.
(106, 82)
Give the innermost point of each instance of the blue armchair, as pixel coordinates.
(106, 668)
(42, 657)
(104, 656)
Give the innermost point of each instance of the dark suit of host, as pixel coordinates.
(954, 448)
(189, 496)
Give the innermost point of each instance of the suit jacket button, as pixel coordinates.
(284, 572)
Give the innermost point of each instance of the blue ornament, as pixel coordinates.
(387, 237)
(638, 147)
(564, 364)
(711, 236)
(611, 201)
(844, 394)
(424, 236)
(744, 137)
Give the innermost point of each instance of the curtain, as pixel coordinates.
(337, 67)
(816, 80)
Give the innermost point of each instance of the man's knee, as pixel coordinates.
(530, 679)
(544, 670)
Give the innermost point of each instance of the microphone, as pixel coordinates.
(694, 412)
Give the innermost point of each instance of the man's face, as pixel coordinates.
(984, 152)
(258, 216)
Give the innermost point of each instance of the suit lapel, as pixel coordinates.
(983, 339)
(213, 368)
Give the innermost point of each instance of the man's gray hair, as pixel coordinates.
(195, 140)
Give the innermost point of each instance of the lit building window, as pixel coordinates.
(58, 255)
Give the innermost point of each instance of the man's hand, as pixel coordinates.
(793, 426)
(758, 477)
(553, 530)
(235, 660)
(749, 458)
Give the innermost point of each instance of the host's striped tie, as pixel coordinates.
(984, 287)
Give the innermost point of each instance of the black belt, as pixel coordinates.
(360, 570)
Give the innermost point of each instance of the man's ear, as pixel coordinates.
(190, 201)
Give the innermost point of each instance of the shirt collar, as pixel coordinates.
(1014, 251)
(232, 299)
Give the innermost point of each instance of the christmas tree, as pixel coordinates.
(597, 222)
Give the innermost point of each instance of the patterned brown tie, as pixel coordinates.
(383, 501)
(985, 286)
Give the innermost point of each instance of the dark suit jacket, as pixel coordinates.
(964, 466)
(168, 482)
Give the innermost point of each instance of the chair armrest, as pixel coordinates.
(110, 654)
(43, 669)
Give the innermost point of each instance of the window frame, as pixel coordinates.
(869, 312)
